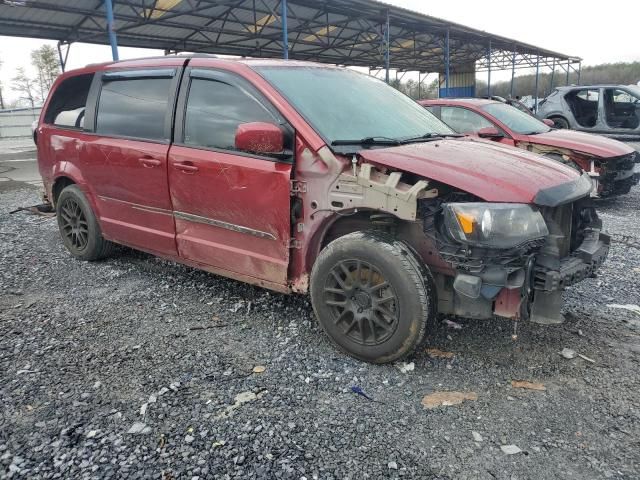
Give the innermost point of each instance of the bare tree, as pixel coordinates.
(25, 86)
(45, 61)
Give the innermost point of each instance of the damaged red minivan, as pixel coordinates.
(302, 178)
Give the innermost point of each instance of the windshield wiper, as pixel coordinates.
(431, 136)
(368, 141)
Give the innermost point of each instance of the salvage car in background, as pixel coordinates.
(302, 177)
(612, 165)
(612, 110)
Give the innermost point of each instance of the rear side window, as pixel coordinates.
(135, 107)
(214, 111)
(68, 102)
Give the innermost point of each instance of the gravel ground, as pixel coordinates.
(136, 367)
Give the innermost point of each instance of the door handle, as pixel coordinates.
(185, 167)
(149, 162)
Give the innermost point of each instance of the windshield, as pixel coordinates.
(515, 120)
(344, 105)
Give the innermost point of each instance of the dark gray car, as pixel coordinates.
(612, 110)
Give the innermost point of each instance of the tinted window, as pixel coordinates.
(67, 105)
(345, 105)
(134, 108)
(214, 111)
(463, 120)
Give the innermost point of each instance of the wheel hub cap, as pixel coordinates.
(362, 303)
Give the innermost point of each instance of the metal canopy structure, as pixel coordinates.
(364, 33)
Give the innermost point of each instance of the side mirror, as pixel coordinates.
(259, 137)
(548, 122)
(489, 132)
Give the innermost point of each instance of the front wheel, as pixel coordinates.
(372, 296)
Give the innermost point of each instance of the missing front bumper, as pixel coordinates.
(582, 264)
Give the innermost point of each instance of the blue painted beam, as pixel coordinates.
(535, 95)
(446, 65)
(113, 41)
(489, 70)
(513, 70)
(285, 30)
(387, 39)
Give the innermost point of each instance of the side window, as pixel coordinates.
(214, 111)
(68, 102)
(463, 120)
(134, 107)
(433, 109)
(621, 96)
(588, 95)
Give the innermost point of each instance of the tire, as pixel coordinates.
(79, 227)
(380, 314)
(560, 122)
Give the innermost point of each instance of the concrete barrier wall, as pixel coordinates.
(17, 122)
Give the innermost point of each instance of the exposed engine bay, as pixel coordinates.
(486, 258)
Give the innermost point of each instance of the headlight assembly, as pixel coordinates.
(494, 225)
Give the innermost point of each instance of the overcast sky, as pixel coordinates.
(597, 34)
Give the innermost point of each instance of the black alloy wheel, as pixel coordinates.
(361, 302)
(372, 295)
(74, 225)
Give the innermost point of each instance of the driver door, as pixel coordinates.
(231, 208)
(622, 110)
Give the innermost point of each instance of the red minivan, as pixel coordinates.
(302, 178)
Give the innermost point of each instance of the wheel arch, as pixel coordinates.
(59, 184)
(340, 225)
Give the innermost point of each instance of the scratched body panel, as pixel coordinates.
(123, 186)
(233, 212)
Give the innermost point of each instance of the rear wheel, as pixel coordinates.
(560, 122)
(372, 296)
(79, 227)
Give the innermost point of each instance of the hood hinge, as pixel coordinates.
(296, 187)
(295, 243)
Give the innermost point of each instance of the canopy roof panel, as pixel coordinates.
(345, 32)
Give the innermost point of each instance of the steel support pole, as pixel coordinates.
(553, 73)
(387, 38)
(62, 62)
(446, 65)
(568, 67)
(535, 95)
(285, 30)
(579, 71)
(112, 33)
(513, 70)
(419, 87)
(489, 70)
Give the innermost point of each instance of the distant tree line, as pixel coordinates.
(33, 90)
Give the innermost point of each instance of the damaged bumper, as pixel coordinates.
(581, 264)
(527, 283)
(616, 176)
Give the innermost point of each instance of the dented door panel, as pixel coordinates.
(231, 211)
